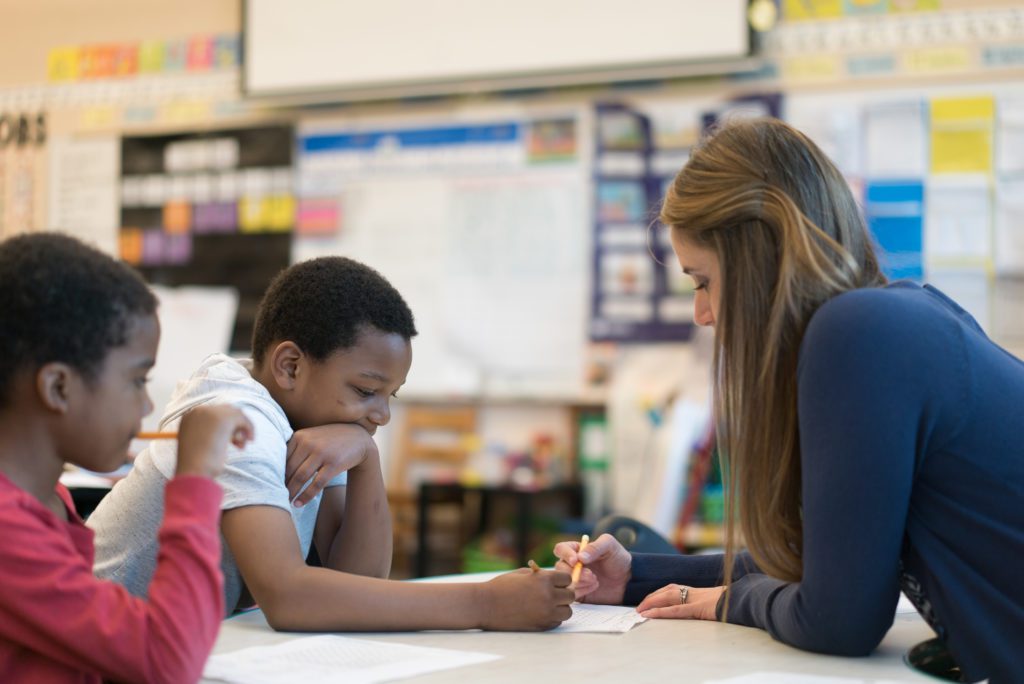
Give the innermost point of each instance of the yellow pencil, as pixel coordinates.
(578, 568)
(157, 435)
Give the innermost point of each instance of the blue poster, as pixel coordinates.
(895, 214)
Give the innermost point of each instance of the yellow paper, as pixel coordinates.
(812, 68)
(964, 109)
(254, 214)
(151, 56)
(962, 134)
(931, 60)
(281, 213)
(98, 118)
(813, 9)
(62, 64)
(185, 112)
(913, 5)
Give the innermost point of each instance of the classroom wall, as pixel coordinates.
(517, 375)
(31, 29)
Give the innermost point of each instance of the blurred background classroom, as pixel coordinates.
(502, 165)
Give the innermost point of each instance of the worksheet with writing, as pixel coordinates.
(594, 618)
(330, 659)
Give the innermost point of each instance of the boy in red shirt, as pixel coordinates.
(78, 334)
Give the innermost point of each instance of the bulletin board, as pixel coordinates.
(639, 293)
(936, 169)
(481, 224)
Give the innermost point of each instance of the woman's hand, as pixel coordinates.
(318, 454)
(606, 569)
(667, 602)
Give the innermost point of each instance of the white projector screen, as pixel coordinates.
(349, 49)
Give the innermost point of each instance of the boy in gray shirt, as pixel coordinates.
(127, 520)
(331, 347)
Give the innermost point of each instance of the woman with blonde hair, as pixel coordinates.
(870, 432)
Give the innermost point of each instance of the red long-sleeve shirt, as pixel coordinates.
(59, 623)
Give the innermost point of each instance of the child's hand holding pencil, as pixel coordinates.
(525, 600)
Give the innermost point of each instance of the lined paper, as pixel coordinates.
(605, 619)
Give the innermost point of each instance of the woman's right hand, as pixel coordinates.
(606, 569)
(204, 435)
(526, 601)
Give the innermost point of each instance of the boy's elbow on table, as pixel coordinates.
(281, 621)
(280, 605)
(283, 616)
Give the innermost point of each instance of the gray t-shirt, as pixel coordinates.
(127, 520)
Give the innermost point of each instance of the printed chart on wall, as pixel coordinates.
(23, 138)
(480, 225)
(213, 208)
(640, 294)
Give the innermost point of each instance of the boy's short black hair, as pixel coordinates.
(62, 300)
(323, 304)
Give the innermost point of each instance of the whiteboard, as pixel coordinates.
(358, 50)
(490, 250)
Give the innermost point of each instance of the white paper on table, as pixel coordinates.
(896, 140)
(330, 659)
(606, 619)
(793, 678)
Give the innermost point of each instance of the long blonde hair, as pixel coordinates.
(789, 236)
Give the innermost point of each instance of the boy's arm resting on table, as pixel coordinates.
(52, 604)
(353, 525)
(864, 400)
(297, 597)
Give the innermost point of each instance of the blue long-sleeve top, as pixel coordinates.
(911, 426)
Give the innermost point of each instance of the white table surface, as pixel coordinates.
(657, 651)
